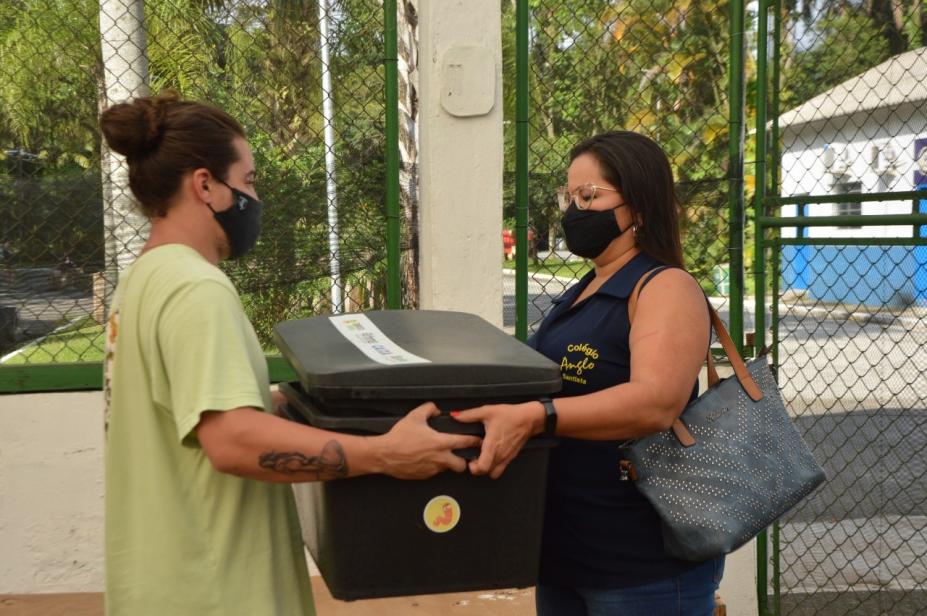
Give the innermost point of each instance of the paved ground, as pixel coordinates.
(42, 304)
(859, 393)
(863, 603)
(516, 602)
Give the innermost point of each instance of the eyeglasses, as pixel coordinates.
(582, 196)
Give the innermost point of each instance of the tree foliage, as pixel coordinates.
(257, 59)
(829, 41)
(658, 67)
(655, 66)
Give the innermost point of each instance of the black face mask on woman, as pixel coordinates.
(241, 222)
(589, 232)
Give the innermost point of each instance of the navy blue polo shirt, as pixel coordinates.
(599, 531)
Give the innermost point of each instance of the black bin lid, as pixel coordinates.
(420, 354)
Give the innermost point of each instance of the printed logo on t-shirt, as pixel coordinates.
(579, 360)
(112, 331)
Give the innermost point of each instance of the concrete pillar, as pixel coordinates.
(738, 586)
(461, 148)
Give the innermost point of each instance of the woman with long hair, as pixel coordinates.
(630, 338)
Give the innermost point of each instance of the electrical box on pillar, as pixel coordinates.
(468, 77)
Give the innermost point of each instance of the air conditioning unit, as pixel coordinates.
(874, 155)
(885, 163)
(841, 164)
(828, 155)
(889, 154)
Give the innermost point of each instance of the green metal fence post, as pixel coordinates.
(852, 198)
(775, 167)
(521, 170)
(736, 95)
(759, 260)
(761, 174)
(391, 59)
(915, 209)
(774, 150)
(856, 220)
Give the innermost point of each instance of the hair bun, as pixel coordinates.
(135, 128)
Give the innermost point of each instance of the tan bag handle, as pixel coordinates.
(727, 343)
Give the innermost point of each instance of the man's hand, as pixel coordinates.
(413, 450)
(508, 427)
(277, 402)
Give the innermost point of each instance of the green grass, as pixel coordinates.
(79, 343)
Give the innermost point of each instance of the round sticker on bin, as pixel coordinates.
(442, 513)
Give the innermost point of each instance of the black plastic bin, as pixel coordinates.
(376, 536)
(469, 362)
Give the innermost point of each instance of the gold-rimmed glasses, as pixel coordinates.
(582, 196)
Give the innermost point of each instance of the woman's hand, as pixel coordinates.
(508, 426)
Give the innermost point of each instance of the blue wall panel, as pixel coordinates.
(870, 275)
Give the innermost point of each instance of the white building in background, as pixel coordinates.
(865, 135)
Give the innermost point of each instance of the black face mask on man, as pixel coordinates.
(241, 222)
(589, 232)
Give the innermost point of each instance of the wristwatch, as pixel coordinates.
(550, 416)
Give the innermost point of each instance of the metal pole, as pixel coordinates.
(851, 197)
(761, 171)
(915, 209)
(521, 169)
(330, 183)
(776, 266)
(391, 66)
(775, 155)
(857, 220)
(759, 261)
(736, 95)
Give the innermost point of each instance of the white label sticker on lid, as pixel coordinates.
(367, 337)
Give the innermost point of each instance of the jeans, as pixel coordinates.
(689, 594)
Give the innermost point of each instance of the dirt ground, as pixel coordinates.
(518, 602)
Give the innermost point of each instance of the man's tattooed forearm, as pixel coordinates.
(330, 464)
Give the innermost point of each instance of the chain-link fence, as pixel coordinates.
(306, 79)
(852, 368)
(848, 151)
(658, 67)
(846, 96)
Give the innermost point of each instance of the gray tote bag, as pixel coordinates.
(731, 465)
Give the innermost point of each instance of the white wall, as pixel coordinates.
(738, 586)
(51, 493)
(851, 139)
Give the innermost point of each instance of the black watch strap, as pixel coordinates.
(550, 416)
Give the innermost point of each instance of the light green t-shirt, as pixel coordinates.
(181, 538)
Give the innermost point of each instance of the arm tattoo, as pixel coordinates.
(330, 464)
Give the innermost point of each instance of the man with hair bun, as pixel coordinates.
(199, 520)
